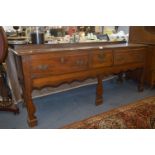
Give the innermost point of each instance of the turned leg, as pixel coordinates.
(141, 80)
(99, 91)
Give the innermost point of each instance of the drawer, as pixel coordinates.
(127, 56)
(102, 58)
(58, 63)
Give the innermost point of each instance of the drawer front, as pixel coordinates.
(102, 58)
(58, 63)
(129, 56)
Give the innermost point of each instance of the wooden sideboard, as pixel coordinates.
(146, 35)
(40, 66)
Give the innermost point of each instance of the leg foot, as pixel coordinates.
(99, 101)
(33, 122)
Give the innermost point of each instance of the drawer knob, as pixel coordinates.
(42, 67)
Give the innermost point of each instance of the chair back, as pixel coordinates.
(3, 45)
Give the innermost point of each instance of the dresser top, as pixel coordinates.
(40, 49)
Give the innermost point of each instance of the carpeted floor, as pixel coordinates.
(57, 110)
(137, 115)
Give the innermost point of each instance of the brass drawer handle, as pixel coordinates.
(42, 67)
(80, 62)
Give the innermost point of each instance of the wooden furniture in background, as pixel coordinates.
(5, 93)
(42, 65)
(146, 35)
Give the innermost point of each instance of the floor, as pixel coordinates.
(55, 111)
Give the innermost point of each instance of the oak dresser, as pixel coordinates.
(42, 65)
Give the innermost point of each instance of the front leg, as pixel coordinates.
(32, 119)
(27, 91)
(99, 91)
